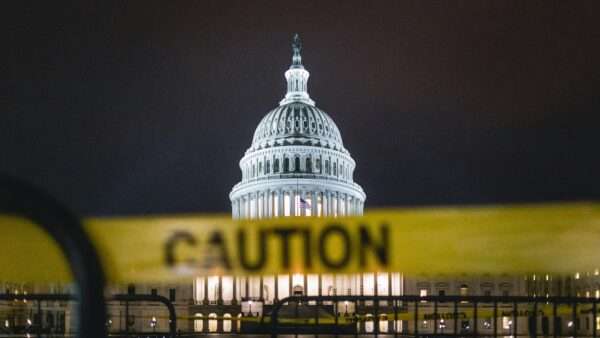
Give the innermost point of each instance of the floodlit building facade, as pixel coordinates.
(297, 165)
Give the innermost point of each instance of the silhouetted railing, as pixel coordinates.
(423, 310)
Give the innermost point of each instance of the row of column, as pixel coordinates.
(293, 202)
(269, 287)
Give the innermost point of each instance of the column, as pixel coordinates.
(269, 204)
(313, 203)
(265, 204)
(256, 204)
(326, 201)
(276, 289)
(346, 205)
(205, 300)
(261, 290)
(234, 287)
(262, 204)
(292, 202)
(247, 208)
(242, 207)
(280, 203)
(247, 287)
(305, 285)
(320, 285)
(220, 290)
(299, 210)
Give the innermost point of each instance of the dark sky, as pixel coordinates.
(148, 107)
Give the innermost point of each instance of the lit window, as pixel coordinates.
(212, 322)
(227, 322)
(577, 275)
(423, 292)
(464, 290)
(506, 323)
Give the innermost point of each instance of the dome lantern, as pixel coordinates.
(297, 78)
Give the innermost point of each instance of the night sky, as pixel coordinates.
(148, 107)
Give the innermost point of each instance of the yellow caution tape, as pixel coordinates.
(549, 238)
(28, 254)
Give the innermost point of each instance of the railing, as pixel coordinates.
(430, 308)
(38, 328)
(149, 298)
(23, 200)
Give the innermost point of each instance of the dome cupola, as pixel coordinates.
(297, 78)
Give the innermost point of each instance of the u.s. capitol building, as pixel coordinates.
(297, 165)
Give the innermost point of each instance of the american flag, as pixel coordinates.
(304, 204)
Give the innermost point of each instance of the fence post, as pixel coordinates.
(22, 199)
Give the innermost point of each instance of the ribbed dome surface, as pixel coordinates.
(297, 123)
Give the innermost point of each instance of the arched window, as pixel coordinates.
(227, 322)
(383, 323)
(318, 165)
(253, 170)
(286, 165)
(268, 167)
(334, 169)
(212, 322)
(276, 166)
(309, 165)
(260, 169)
(198, 322)
(369, 325)
(297, 164)
(327, 167)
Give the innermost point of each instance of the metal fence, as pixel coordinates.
(34, 326)
(416, 316)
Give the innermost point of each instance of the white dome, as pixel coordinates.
(297, 123)
(297, 164)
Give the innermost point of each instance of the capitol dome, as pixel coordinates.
(297, 123)
(297, 164)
